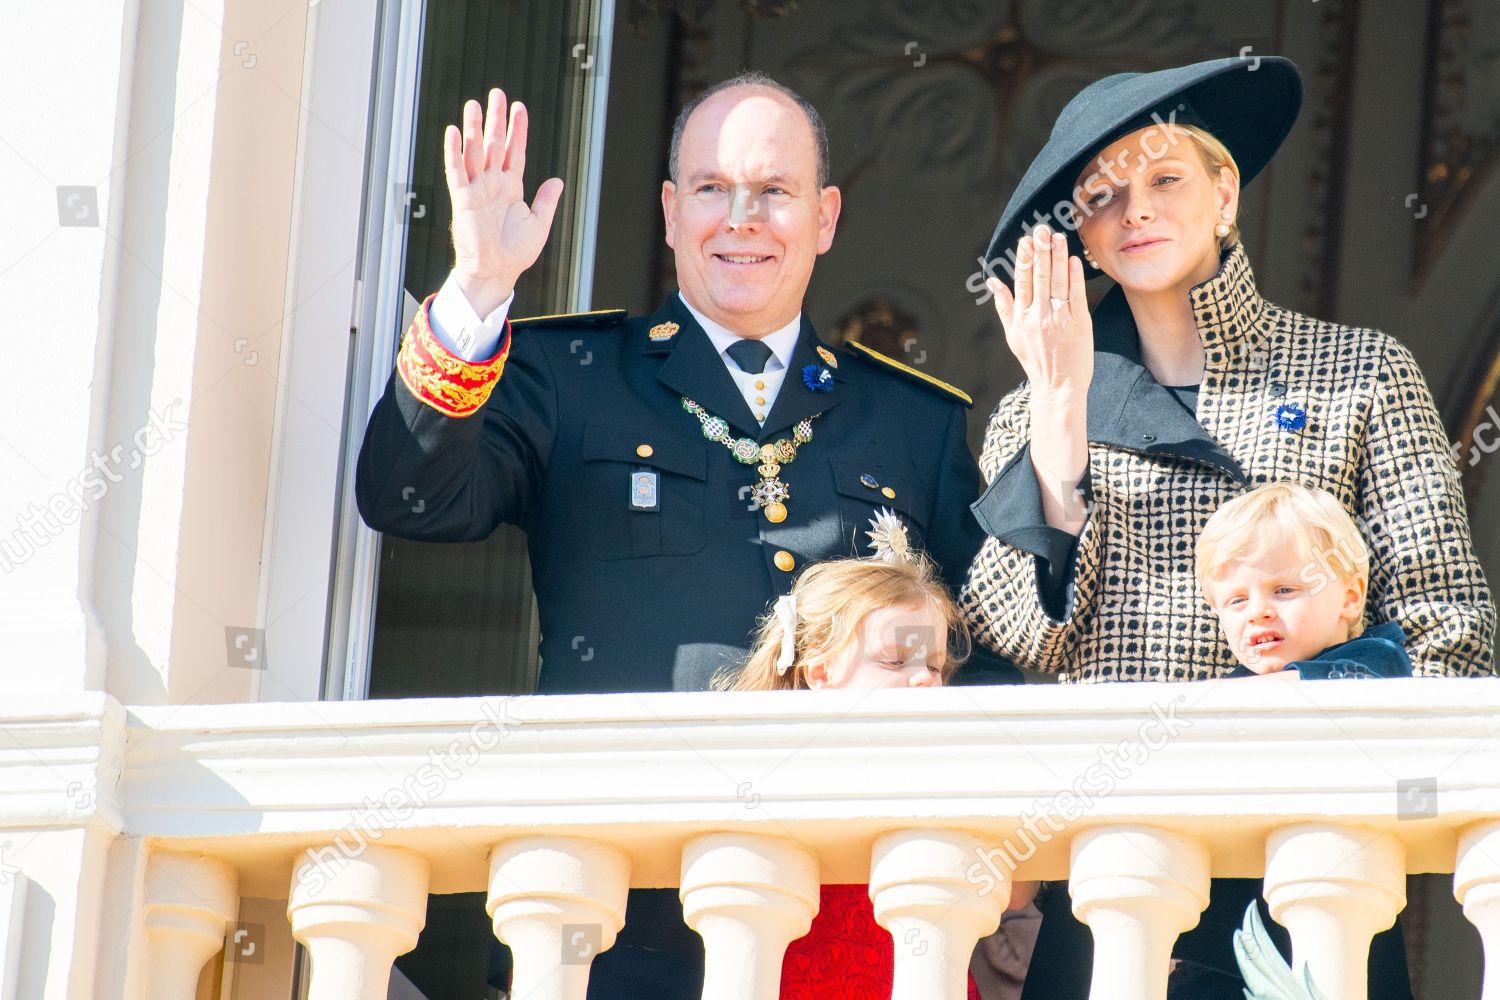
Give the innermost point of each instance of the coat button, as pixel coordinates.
(1148, 437)
(784, 561)
(644, 450)
(1278, 388)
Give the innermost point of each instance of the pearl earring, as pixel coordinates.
(1222, 229)
(1088, 256)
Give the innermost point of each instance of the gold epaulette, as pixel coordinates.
(920, 377)
(596, 318)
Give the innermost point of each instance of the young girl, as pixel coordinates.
(857, 624)
(852, 624)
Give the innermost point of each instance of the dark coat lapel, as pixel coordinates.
(692, 368)
(795, 400)
(1129, 409)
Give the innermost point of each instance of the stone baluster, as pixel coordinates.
(1333, 887)
(749, 896)
(557, 902)
(355, 914)
(1476, 884)
(1138, 888)
(190, 900)
(935, 913)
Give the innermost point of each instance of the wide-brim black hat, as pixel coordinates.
(1248, 104)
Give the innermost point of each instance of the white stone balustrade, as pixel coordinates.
(1334, 887)
(1476, 885)
(935, 913)
(749, 897)
(557, 902)
(355, 914)
(1138, 888)
(189, 901)
(579, 798)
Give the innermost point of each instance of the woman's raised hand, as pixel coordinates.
(1046, 320)
(496, 236)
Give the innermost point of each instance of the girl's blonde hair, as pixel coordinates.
(1317, 523)
(833, 599)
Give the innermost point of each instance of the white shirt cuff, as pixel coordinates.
(458, 327)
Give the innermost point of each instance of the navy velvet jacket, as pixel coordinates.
(1377, 652)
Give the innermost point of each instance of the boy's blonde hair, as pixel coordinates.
(833, 599)
(1319, 525)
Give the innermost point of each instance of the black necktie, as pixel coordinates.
(750, 355)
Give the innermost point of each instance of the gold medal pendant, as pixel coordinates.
(770, 491)
(770, 494)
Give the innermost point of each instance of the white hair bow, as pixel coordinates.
(786, 613)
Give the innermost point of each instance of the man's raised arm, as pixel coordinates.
(425, 469)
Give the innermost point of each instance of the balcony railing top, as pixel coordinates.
(1227, 761)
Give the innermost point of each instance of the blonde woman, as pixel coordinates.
(1183, 389)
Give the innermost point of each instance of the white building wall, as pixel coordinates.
(148, 151)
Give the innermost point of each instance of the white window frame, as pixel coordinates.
(321, 561)
(338, 77)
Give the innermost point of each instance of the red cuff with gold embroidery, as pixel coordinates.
(438, 377)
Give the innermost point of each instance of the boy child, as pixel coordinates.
(1286, 570)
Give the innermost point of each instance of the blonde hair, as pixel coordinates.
(833, 600)
(1216, 156)
(1319, 525)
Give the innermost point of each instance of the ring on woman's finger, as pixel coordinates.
(1058, 304)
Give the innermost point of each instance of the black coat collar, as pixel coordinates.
(1128, 408)
(693, 368)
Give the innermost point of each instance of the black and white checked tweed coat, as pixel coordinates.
(1372, 438)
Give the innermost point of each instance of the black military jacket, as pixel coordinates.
(648, 600)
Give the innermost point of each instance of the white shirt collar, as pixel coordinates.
(782, 342)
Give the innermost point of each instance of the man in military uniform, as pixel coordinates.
(673, 473)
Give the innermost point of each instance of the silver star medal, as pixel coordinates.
(888, 537)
